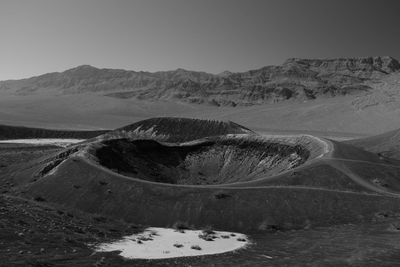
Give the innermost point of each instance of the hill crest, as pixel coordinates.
(174, 129)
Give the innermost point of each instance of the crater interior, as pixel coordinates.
(206, 162)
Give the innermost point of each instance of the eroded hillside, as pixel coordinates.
(296, 79)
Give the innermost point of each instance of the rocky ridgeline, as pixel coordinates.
(359, 67)
(297, 79)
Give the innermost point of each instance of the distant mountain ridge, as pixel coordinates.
(295, 79)
(351, 66)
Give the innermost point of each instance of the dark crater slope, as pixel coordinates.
(221, 160)
(172, 129)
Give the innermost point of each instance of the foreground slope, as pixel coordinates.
(58, 236)
(291, 182)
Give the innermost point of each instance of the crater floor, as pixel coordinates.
(213, 161)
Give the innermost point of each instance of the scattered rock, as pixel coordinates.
(180, 226)
(39, 199)
(221, 196)
(196, 247)
(394, 227)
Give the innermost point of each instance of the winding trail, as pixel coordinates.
(364, 161)
(359, 180)
(338, 163)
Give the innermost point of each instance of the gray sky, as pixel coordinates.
(40, 36)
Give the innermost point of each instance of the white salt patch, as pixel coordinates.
(44, 141)
(160, 244)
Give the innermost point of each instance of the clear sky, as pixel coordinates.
(40, 36)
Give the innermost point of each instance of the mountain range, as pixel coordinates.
(296, 79)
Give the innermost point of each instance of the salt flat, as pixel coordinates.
(161, 243)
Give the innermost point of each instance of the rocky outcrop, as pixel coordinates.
(296, 79)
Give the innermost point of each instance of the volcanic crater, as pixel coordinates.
(231, 178)
(218, 160)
